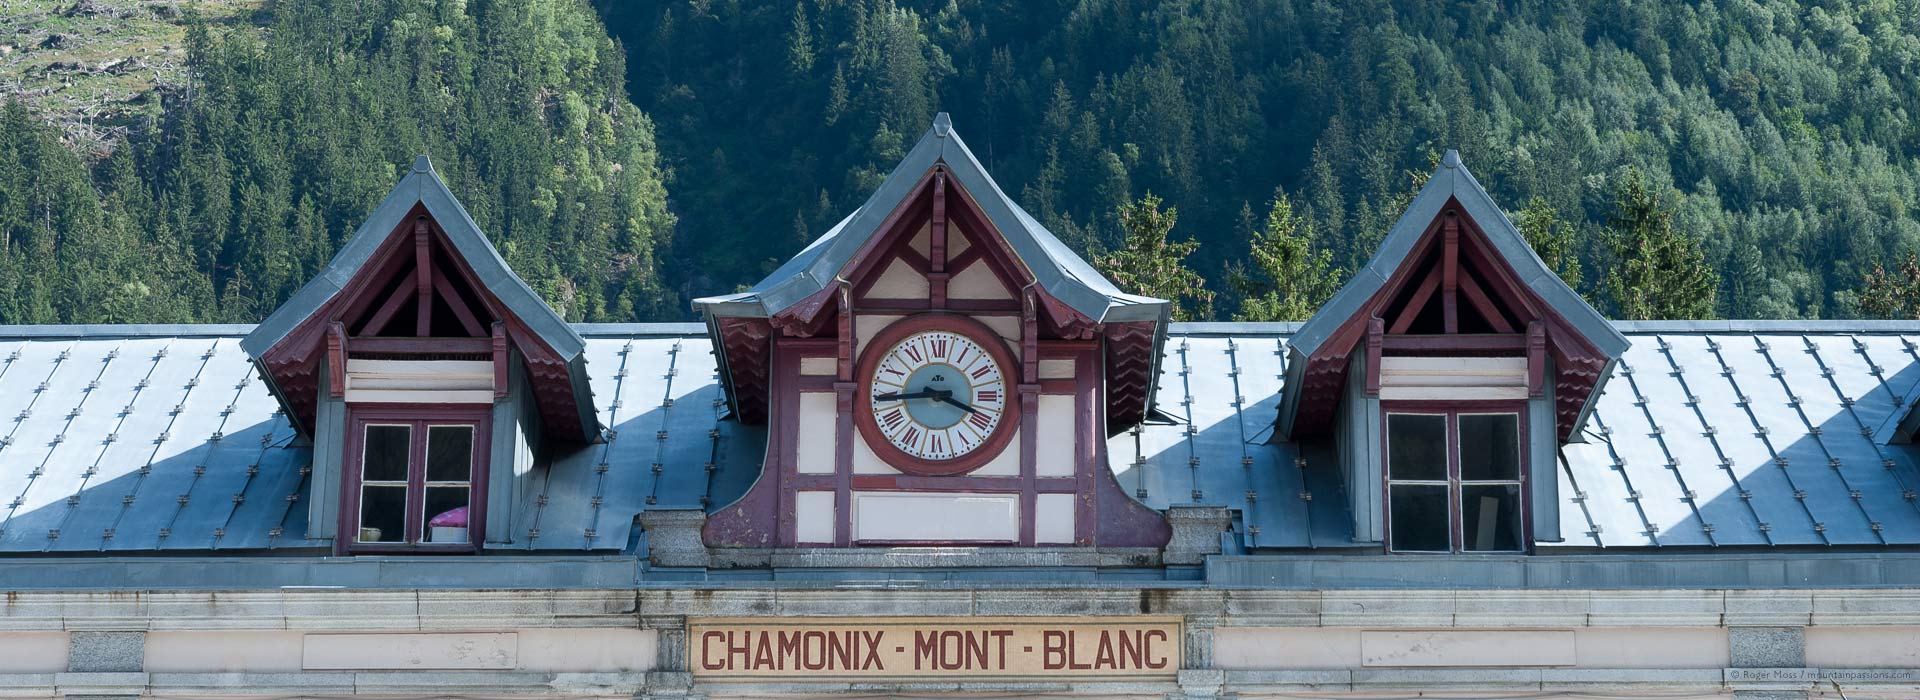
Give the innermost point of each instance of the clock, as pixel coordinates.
(936, 395)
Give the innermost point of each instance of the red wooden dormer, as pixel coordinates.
(936, 369)
(1451, 363)
(411, 360)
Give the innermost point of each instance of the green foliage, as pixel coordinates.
(276, 149)
(1892, 295)
(1654, 271)
(1147, 262)
(1551, 239)
(1790, 133)
(1290, 278)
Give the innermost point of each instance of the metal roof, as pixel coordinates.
(1055, 267)
(132, 439)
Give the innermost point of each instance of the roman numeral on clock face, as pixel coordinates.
(938, 395)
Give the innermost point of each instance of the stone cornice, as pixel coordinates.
(456, 609)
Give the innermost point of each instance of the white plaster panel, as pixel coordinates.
(588, 650)
(1276, 648)
(413, 652)
(230, 651)
(1007, 463)
(865, 461)
(814, 446)
(1053, 518)
(1056, 369)
(33, 652)
(1468, 648)
(977, 281)
(1893, 646)
(1055, 451)
(900, 281)
(865, 326)
(1652, 647)
(1453, 378)
(944, 517)
(813, 516)
(1007, 327)
(819, 366)
(922, 241)
(957, 242)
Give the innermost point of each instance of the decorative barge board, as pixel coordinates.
(1453, 313)
(418, 320)
(937, 369)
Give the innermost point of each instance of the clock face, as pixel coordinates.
(938, 395)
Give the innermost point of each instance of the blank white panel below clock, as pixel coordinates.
(814, 448)
(972, 517)
(1053, 518)
(1054, 452)
(813, 517)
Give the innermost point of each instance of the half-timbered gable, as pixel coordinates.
(840, 349)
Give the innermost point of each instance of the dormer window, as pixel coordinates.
(413, 358)
(418, 482)
(1455, 479)
(1450, 363)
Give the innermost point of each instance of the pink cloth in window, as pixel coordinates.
(453, 518)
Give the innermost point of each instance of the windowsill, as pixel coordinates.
(400, 548)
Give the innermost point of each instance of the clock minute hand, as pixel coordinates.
(947, 396)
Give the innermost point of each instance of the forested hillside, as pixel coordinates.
(1781, 136)
(1778, 141)
(278, 140)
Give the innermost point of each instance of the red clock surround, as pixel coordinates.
(979, 333)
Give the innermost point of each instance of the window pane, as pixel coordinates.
(385, 456)
(383, 513)
(449, 453)
(1420, 518)
(1490, 517)
(1489, 447)
(442, 500)
(1416, 446)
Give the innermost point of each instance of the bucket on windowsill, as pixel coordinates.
(449, 527)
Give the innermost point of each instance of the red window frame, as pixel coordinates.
(1453, 410)
(419, 418)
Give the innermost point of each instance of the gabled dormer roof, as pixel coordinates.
(1058, 271)
(1340, 323)
(287, 339)
(1070, 294)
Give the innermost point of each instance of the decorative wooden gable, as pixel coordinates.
(937, 296)
(1452, 279)
(418, 282)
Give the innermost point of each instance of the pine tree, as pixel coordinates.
(1290, 277)
(1551, 239)
(1147, 263)
(1657, 272)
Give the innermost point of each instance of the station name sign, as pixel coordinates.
(972, 648)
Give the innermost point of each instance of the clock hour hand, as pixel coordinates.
(902, 397)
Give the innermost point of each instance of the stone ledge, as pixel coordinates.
(935, 557)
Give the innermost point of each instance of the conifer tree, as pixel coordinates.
(1148, 263)
(1656, 272)
(1551, 239)
(1291, 276)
